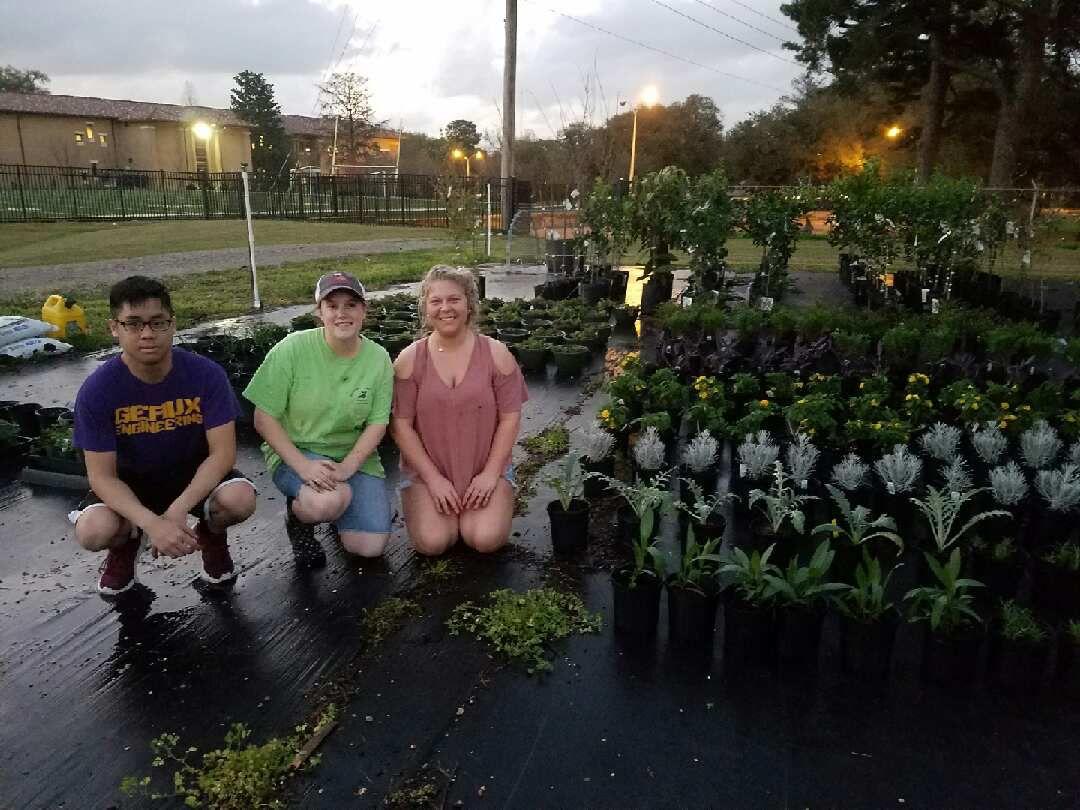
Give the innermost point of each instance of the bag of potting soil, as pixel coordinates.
(15, 327)
(35, 345)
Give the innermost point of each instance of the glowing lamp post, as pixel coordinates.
(459, 154)
(650, 96)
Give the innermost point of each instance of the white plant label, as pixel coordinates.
(766, 304)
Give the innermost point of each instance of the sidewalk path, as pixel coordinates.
(16, 280)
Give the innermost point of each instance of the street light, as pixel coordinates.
(202, 130)
(893, 132)
(650, 96)
(459, 154)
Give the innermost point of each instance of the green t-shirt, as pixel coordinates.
(323, 401)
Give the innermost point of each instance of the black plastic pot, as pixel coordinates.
(512, 335)
(570, 527)
(47, 417)
(532, 361)
(656, 291)
(1055, 590)
(1001, 577)
(24, 414)
(624, 319)
(952, 662)
(749, 634)
(570, 361)
(637, 608)
(799, 636)
(1067, 675)
(1020, 665)
(13, 456)
(868, 647)
(593, 292)
(691, 616)
(628, 525)
(596, 487)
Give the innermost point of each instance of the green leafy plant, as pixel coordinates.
(746, 573)
(699, 564)
(781, 504)
(702, 506)
(649, 500)
(385, 618)
(9, 432)
(1065, 555)
(710, 216)
(1018, 623)
(858, 528)
(239, 776)
(665, 392)
(866, 600)
(942, 509)
(522, 626)
(568, 480)
(56, 440)
(805, 586)
(549, 443)
(1072, 632)
(948, 605)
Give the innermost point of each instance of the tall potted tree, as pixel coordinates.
(660, 203)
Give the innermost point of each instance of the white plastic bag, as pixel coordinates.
(32, 346)
(16, 327)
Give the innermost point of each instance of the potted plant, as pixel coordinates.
(749, 618)
(802, 456)
(851, 474)
(703, 511)
(694, 593)
(755, 459)
(782, 509)
(637, 586)
(597, 457)
(1056, 581)
(899, 472)
(1040, 445)
(569, 514)
(868, 620)
(942, 509)
(570, 359)
(801, 593)
(699, 463)
(951, 653)
(941, 442)
(1068, 668)
(1060, 492)
(989, 444)
(13, 449)
(1022, 648)
(640, 499)
(999, 565)
(649, 454)
(858, 533)
(659, 219)
(532, 355)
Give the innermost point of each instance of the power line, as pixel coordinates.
(781, 23)
(723, 33)
(330, 69)
(661, 51)
(740, 21)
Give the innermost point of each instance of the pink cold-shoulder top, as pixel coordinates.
(457, 425)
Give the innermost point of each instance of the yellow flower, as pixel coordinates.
(1025, 407)
(703, 394)
(1011, 417)
(801, 402)
(1004, 406)
(873, 402)
(876, 426)
(605, 414)
(973, 406)
(911, 378)
(1003, 425)
(764, 403)
(1070, 418)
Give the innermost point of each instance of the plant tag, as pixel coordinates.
(989, 366)
(802, 484)
(766, 304)
(935, 306)
(1025, 260)
(687, 301)
(891, 487)
(742, 471)
(925, 294)
(955, 496)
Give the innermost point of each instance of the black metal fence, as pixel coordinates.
(47, 193)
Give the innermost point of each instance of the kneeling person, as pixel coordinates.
(157, 426)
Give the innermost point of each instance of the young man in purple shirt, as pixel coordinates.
(157, 426)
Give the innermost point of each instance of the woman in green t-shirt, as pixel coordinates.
(322, 404)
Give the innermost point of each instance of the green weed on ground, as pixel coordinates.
(549, 444)
(386, 618)
(239, 776)
(521, 626)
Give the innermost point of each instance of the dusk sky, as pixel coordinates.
(427, 63)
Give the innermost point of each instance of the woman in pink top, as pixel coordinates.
(456, 415)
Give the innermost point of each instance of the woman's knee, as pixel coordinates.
(433, 540)
(485, 536)
(99, 528)
(322, 507)
(365, 544)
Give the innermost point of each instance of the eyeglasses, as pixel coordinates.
(134, 326)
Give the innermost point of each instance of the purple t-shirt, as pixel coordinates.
(158, 431)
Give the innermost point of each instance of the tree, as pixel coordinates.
(462, 134)
(13, 80)
(346, 97)
(253, 100)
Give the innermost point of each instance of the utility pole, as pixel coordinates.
(509, 94)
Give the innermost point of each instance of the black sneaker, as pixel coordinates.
(306, 549)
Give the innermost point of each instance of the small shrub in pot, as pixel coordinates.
(636, 586)
(597, 446)
(649, 453)
(569, 514)
(1022, 648)
(693, 592)
(699, 461)
(857, 533)
(782, 509)
(749, 618)
(869, 626)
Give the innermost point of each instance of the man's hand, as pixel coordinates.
(319, 474)
(444, 496)
(478, 495)
(172, 538)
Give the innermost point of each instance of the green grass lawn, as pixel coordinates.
(204, 297)
(33, 243)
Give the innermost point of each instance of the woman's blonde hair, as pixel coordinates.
(461, 276)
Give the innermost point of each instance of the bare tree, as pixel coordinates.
(346, 97)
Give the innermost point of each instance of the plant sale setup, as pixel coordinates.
(764, 551)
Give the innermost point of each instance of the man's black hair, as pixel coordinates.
(134, 290)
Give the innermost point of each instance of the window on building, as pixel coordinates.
(89, 132)
(103, 139)
(78, 139)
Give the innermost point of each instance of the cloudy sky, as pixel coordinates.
(428, 62)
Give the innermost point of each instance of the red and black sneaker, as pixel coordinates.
(118, 570)
(217, 563)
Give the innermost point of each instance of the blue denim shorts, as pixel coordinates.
(369, 509)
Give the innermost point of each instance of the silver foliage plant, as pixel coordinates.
(596, 443)
(1008, 484)
(850, 474)
(757, 454)
(1060, 488)
(957, 475)
(1040, 445)
(700, 454)
(941, 441)
(801, 458)
(649, 450)
(1074, 454)
(989, 443)
(899, 470)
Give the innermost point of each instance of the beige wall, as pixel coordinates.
(50, 141)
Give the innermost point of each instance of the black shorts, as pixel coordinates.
(159, 498)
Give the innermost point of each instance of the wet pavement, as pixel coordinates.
(85, 684)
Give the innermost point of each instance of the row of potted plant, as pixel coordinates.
(42, 436)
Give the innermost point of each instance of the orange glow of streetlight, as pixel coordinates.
(893, 132)
(650, 96)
